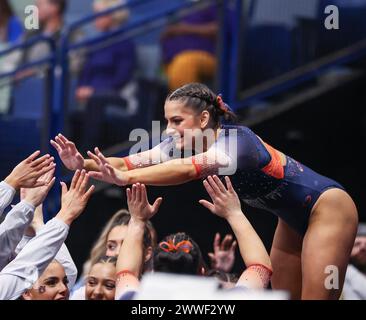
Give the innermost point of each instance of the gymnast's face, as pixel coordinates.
(101, 282)
(115, 239)
(184, 124)
(52, 285)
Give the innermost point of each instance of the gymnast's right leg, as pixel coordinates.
(286, 260)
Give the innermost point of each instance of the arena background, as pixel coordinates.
(305, 95)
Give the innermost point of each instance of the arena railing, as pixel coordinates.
(48, 116)
(239, 97)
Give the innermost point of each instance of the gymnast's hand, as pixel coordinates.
(36, 196)
(28, 173)
(75, 199)
(223, 255)
(69, 154)
(225, 200)
(138, 203)
(106, 173)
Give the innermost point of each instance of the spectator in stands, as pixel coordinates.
(109, 243)
(101, 281)
(107, 76)
(51, 19)
(178, 253)
(189, 48)
(10, 32)
(11, 29)
(355, 282)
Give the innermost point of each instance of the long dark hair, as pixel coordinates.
(178, 253)
(6, 12)
(199, 97)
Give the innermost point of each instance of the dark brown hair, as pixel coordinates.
(200, 98)
(178, 261)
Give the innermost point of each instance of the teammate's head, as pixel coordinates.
(51, 285)
(100, 283)
(111, 238)
(178, 253)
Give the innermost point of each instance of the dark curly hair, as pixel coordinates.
(178, 261)
(200, 98)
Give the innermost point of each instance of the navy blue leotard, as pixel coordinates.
(261, 181)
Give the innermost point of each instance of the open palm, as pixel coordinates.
(69, 154)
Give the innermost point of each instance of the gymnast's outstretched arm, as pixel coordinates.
(73, 160)
(172, 172)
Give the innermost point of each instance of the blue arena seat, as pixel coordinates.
(267, 54)
(28, 98)
(18, 139)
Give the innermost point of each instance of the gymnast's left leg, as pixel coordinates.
(327, 245)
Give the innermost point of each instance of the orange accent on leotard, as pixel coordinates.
(197, 167)
(274, 168)
(128, 163)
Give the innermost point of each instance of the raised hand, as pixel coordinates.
(36, 196)
(223, 255)
(74, 199)
(37, 222)
(69, 154)
(28, 173)
(107, 173)
(225, 201)
(138, 203)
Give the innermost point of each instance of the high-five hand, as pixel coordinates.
(138, 203)
(74, 199)
(69, 154)
(107, 173)
(28, 173)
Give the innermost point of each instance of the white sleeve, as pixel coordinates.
(78, 294)
(63, 256)
(7, 194)
(23, 242)
(12, 230)
(20, 274)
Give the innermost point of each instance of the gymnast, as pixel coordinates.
(317, 219)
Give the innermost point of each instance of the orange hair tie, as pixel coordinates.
(183, 246)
